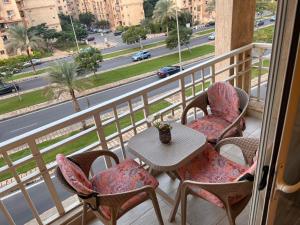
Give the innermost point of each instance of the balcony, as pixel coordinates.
(30, 194)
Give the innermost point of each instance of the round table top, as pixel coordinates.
(185, 145)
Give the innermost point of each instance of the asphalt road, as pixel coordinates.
(22, 124)
(108, 64)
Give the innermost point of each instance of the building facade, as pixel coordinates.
(36, 12)
(9, 15)
(198, 9)
(117, 12)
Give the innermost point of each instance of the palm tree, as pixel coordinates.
(63, 76)
(21, 39)
(164, 11)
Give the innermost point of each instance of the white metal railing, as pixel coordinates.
(128, 115)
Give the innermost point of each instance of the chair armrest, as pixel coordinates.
(248, 146)
(85, 160)
(222, 190)
(116, 200)
(200, 101)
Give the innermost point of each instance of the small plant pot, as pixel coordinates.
(165, 136)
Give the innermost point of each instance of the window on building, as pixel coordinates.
(6, 1)
(2, 52)
(10, 13)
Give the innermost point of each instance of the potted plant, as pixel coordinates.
(164, 130)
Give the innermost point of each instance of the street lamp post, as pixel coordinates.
(74, 34)
(178, 38)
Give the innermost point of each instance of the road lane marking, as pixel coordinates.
(22, 128)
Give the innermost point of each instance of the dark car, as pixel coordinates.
(8, 88)
(90, 38)
(210, 24)
(118, 33)
(260, 23)
(167, 71)
(141, 55)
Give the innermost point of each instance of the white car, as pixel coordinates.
(212, 36)
(34, 62)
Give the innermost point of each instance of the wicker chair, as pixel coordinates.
(119, 202)
(219, 129)
(232, 195)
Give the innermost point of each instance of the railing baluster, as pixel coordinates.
(202, 76)
(6, 213)
(46, 176)
(101, 136)
(119, 131)
(182, 90)
(194, 91)
(213, 73)
(146, 108)
(132, 117)
(260, 61)
(23, 189)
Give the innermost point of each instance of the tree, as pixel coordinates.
(89, 59)
(87, 18)
(134, 35)
(103, 24)
(63, 80)
(184, 18)
(211, 6)
(149, 7)
(21, 39)
(184, 34)
(44, 32)
(163, 12)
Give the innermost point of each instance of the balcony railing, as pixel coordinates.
(29, 159)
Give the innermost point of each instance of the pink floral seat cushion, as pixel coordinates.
(224, 101)
(74, 175)
(211, 167)
(126, 176)
(212, 127)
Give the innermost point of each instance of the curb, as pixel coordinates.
(122, 82)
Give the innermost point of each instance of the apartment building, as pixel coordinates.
(35, 12)
(117, 12)
(198, 9)
(9, 15)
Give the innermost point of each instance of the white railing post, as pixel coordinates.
(46, 176)
(182, 90)
(260, 64)
(6, 214)
(119, 130)
(101, 136)
(146, 108)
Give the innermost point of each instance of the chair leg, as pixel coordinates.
(84, 213)
(113, 219)
(175, 208)
(230, 217)
(156, 207)
(184, 194)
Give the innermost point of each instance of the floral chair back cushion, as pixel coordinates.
(224, 101)
(74, 175)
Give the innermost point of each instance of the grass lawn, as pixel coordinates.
(29, 74)
(35, 97)
(255, 71)
(76, 145)
(197, 34)
(264, 34)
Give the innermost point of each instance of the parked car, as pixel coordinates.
(34, 62)
(210, 24)
(7, 88)
(167, 71)
(272, 19)
(212, 36)
(118, 33)
(106, 31)
(141, 55)
(90, 38)
(260, 23)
